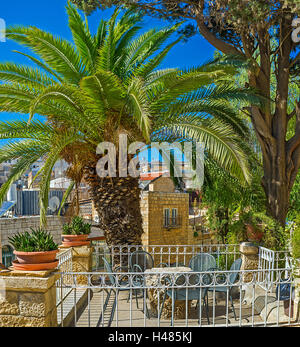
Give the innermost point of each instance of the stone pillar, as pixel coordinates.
(28, 299)
(249, 255)
(81, 261)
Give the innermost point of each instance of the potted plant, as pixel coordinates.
(34, 250)
(76, 232)
(254, 226)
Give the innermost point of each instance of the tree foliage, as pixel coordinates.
(249, 29)
(109, 83)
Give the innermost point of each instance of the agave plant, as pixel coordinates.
(38, 240)
(77, 227)
(104, 85)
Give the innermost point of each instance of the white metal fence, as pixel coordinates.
(172, 292)
(65, 265)
(170, 298)
(173, 255)
(268, 260)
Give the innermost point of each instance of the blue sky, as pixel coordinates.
(50, 15)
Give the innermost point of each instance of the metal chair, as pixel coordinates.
(122, 284)
(140, 261)
(186, 294)
(202, 262)
(229, 279)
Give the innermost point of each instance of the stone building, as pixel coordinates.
(165, 214)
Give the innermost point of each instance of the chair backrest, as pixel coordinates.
(141, 258)
(108, 269)
(236, 266)
(202, 262)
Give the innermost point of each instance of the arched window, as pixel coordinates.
(7, 256)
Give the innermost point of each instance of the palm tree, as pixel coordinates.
(108, 84)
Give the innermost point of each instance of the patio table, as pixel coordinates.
(155, 278)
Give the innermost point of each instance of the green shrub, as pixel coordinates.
(38, 240)
(296, 239)
(77, 227)
(275, 237)
(224, 261)
(237, 233)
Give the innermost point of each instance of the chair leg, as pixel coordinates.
(205, 304)
(146, 307)
(173, 311)
(232, 306)
(162, 305)
(136, 299)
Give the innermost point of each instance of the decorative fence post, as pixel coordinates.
(28, 299)
(249, 254)
(250, 259)
(81, 261)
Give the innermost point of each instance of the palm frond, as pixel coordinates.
(105, 60)
(65, 197)
(104, 89)
(219, 140)
(145, 45)
(42, 65)
(22, 130)
(25, 75)
(139, 106)
(57, 53)
(63, 94)
(53, 155)
(27, 152)
(82, 38)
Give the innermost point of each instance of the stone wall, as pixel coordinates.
(200, 239)
(162, 184)
(28, 299)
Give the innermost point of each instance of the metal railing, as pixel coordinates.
(178, 297)
(174, 255)
(65, 265)
(266, 261)
(269, 260)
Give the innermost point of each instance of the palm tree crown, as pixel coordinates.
(109, 83)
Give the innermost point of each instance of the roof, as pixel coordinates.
(150, 176)
(146, 179)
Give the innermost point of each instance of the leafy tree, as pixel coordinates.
(227, 199)
(248, 29)
(108, 84)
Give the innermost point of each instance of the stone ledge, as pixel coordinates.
(248, 248)
(80, 251)
(17, 273)
(39, 281)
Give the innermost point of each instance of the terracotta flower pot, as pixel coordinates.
(36, 257)
(35, 267)
(253, 233)
(75, 240)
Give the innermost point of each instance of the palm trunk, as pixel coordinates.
(117, 201)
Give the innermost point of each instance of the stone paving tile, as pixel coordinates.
(91, 316)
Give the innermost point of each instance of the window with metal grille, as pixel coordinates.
(166, 217)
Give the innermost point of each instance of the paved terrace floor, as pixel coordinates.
(128, 314)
